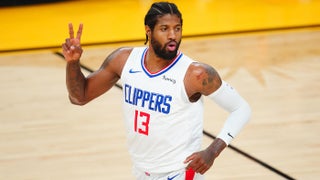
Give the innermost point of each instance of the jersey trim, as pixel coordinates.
(151, 75)
(190, 174)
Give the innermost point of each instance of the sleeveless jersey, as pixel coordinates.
(163, 127)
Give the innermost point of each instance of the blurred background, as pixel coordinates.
(43, 25)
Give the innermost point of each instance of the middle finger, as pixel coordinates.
(79, 31)
(71, 32)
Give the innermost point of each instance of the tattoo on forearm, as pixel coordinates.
(75, 80)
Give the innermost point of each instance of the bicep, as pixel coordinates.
(100, 82)
(107, 75)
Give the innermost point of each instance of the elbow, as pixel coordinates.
(243, 111)
(77, 101)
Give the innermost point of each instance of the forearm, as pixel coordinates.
(239, 110)
(75, 82)
(235, 122)
(216, 147)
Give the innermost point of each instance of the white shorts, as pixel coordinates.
(175, 175)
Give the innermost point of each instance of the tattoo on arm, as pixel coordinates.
(75, 81)
(210, 77)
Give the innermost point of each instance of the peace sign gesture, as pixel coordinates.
(72, 48)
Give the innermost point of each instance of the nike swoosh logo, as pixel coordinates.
(133, 71)
(170, 178)
(230, 135)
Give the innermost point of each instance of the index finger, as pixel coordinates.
(189, 158)
(71, 33)
(79, 31)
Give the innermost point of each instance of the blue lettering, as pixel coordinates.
(138, 96)
(159, 102)
(127, 90)
(151, 100)
(146, 96)
(166, 109)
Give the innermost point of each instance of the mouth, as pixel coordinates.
(171, 46)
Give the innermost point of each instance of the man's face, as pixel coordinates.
(166, 36)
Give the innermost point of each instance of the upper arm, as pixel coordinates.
(107, 75)
(201, 79)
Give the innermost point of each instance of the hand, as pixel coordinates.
(200, 161)
(71, 49)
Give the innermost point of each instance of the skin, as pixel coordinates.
(200, 79)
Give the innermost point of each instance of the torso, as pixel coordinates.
(163, 126)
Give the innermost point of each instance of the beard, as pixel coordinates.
(161, 50)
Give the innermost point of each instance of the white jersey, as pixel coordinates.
(163, 126)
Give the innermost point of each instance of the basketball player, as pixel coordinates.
(163, 92)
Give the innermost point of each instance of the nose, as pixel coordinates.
(172, 34)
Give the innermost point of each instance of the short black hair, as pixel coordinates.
(159, 9)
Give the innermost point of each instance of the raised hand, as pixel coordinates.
(71, 49)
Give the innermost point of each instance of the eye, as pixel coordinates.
(178, 28)
(163, 29)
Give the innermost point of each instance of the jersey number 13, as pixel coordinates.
(141, 122)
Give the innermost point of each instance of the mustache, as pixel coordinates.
(172, 41)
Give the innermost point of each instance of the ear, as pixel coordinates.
(148, 30)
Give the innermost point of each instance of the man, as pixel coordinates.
(162, 98)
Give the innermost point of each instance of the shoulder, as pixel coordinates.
(202, 78)
(117, 59)
(120, 53)
(198, 68)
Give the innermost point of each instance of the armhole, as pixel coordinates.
(185, 94)
(127, 61)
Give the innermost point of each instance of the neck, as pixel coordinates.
(154, 63)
